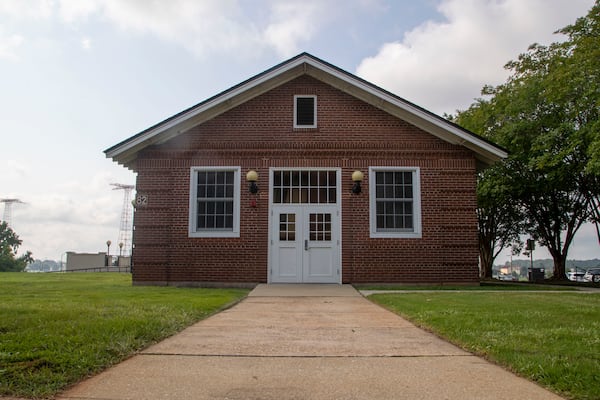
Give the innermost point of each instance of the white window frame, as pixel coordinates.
(301, 96)
(416, 233)
(193, 206)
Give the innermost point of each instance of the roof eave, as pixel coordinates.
(125, 153)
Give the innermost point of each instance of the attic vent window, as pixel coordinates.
(305, 111)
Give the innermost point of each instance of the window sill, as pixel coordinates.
(213, 234)
(396, 235)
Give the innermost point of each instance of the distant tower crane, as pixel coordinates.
(126, 226)
(7, 215)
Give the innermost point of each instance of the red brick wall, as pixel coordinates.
(350, 135)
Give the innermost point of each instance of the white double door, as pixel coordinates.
(305, 244)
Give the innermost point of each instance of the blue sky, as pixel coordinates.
(78, 76)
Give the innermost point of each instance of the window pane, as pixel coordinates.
(389, 192)
(388, 178)
(305, 110)
(393, 201)
(210, 178)
(314, 195)
(277, 178)
(210, 221)
(286, 196)
(304, 178)
(210, 207)
(215, 194)
(389, 221)
(322, 195)
(322, 178)
(389, 207)
(314, 181)
(229, 191)
(399, 192)
(201, 177)
(332, 180)
(210, 191)
(295, 178)
(332, 195)
(276, 195)
(304, 195)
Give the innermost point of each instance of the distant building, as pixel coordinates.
(86, 261)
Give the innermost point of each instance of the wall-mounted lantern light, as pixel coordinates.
(357, 178)
(252, 177)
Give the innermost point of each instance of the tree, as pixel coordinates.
(547, 116)
(500, 219)
(9, 244)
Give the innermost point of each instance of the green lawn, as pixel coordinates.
(550, 338)
(56, 329)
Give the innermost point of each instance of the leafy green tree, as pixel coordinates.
(9, 244)
(500, 219)
(546, 115)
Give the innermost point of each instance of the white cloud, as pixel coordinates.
(442, 66)
(12, 171)
(201, 27)
(9, 45)
(86, 43)
(75, 10)
(220, 26)
(27, 9)
(292, 23)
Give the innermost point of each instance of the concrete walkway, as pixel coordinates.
(305, 342)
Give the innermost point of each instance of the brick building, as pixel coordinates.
(305, 173)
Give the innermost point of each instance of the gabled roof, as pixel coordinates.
(125, 153)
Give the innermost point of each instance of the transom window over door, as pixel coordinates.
(395, 202)
(214, 202)
(304, 187)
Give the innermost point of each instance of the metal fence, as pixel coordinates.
(123, 270)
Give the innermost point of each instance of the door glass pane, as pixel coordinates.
(320, 226)
(287, 227)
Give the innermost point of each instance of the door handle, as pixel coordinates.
(306, 244)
